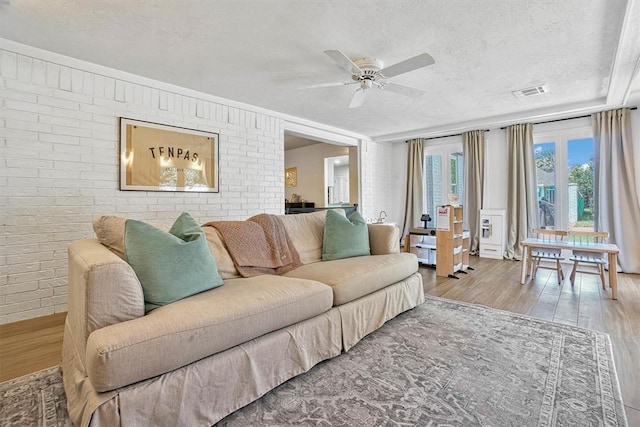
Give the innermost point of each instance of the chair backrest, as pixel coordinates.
(548, 235)
(588, 237)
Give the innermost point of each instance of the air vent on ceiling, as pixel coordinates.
(530, 91)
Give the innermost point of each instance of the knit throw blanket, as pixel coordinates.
(259, 245)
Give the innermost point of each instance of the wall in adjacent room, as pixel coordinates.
(59, 166)
(309, 162)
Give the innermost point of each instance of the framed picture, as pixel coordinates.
(155, 157)
(291, 177)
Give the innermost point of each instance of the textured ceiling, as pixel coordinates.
(262, 53)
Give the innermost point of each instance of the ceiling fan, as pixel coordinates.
(369, 72)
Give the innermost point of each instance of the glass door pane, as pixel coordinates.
(457, 176)
(545, 154)
(580, 182)
(433, 184)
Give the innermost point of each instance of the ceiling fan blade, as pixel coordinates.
(409, 91)
(408, 65)
(358, 98)
(327, 85)
(343, 61)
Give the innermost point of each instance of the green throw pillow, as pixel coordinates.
(345, 237)
(173, 265)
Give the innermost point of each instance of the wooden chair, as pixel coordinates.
(595, 259)
(539, 254)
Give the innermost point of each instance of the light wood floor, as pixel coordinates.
(35, 344)
(30, 345)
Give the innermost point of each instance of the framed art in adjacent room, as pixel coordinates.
(156, 157)
(291, 177)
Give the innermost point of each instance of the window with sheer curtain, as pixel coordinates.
(443, 175)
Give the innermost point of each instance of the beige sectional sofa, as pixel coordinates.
(194, 361)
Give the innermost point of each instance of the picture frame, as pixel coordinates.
(291, 177)
(157, 157)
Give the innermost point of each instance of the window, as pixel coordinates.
(545, 154)
(565, 174)
(457, 175)
(581, 181)
(443, 175)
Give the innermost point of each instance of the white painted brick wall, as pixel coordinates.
(379, 182)
(59, 169)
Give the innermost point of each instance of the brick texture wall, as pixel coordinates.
(380, 182)
(59, 168)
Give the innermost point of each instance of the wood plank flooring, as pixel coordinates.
(30, 345)
(35, 344)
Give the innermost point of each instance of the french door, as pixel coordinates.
(565, 178)
(443, 177)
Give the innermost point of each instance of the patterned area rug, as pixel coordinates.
(36, 399)
(442, 364)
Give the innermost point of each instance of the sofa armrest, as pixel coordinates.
(384, 239)
(103, 290)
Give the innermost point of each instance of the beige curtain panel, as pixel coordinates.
(522, 200)
(415, 192)
(473, 148)
(617, 209)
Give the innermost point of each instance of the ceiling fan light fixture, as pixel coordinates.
(369, 66)
(368, 72)
(366, 84)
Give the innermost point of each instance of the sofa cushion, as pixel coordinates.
(351, 278)
(226, 267)
(345, 237)
(177, 334)
(173, 265)
(384, 239)
(109, 230)
(306, 232)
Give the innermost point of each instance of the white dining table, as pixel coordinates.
(609, 248)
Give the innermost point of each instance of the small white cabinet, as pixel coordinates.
(493, 226)
(422, 243)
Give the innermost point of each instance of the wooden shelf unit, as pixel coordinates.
(452, 243)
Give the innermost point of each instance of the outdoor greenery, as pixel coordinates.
(582, 175)
(586, 219)
(546, 160)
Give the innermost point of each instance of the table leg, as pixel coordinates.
(525, 259)
(613, 275)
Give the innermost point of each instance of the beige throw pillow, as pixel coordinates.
(306, 232)
(110, 232)
(226, 267)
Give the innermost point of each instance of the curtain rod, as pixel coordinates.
(567, 118)
(502, 128)
(443, 136)
(446, 136)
